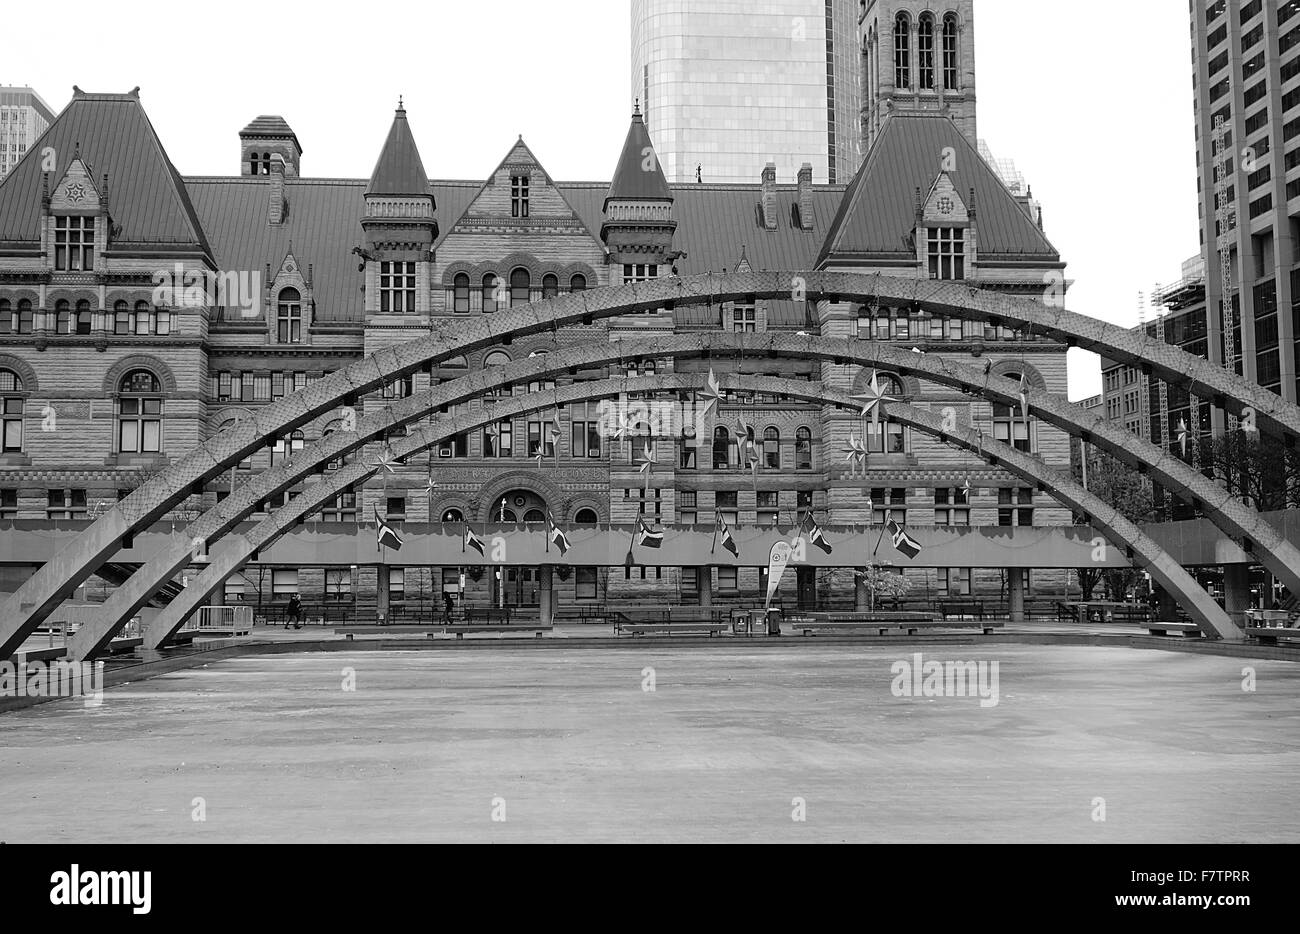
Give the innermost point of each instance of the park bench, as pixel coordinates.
(431, 629)
(485, 614)
(677, 621)
(882, 623)
(1158, 628)
(1269, 635)
(460, 629)
(961, 609)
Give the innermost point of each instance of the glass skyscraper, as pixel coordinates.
(728, 85)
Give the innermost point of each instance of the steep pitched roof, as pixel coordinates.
(399, 170)
(879, 208)
(113, 135)
(633, 181)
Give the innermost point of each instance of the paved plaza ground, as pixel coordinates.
(574, 749)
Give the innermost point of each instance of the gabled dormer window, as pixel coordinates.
(946, 250)
(288, 317)
(74, 244)
(518, 195)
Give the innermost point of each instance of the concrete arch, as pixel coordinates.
(240, 548)
(1233, 516)
(138, 361)
(23, 370)
(50, 585)
(267, 483)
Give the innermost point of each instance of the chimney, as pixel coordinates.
(276, 205)
(805, 197)
(769, 196)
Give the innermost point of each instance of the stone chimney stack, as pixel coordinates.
(769, 196)
(276, 207)
(805, 197)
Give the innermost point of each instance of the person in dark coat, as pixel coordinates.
(293, 613)
(448, 604)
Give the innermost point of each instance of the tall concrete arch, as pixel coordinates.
(59, 577)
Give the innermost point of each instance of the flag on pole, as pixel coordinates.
(385, 535)
(813, 531)
(555, 535)
(723, 533)
(903, 542)
(472, 540)
(651, 538)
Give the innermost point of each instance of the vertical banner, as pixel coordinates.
(777, 560)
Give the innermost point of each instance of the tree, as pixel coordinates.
(1258, 468)
(1131, 493)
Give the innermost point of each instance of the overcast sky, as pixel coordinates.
(1095, 107)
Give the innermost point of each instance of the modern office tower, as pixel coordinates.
(728, 86)
(1246, 59)
(23, 118)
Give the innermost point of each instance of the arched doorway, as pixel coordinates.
(519, 585)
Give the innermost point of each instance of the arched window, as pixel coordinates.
(490, 292)
(534, 515)
(519, 285)
(925, 52)
(586, 517)
(328, 430)
(887, 436)
(950, 52)
(286, 446)
(62, 317)
(6, 316)
(902, 52)
(266, 163)
(142, 318)
(721, 448)
(288, 317)
(139, 414)
(24, 316)
(550, 286)
(578, 283)
(771, 447)
(11, 412)
(1009, 423)
(84, 317)
(460, 293)
(121, 317)
(452, 515)
(803, 449)
(496, 358)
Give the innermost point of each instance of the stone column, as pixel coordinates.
(704, 576)
(546, 594)
(381, 591)
(1016, 592)
(1236, 592)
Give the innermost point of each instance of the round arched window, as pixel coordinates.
(139, 413)
(586, 517)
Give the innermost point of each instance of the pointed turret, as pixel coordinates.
(399, 170)
(638, 227)
(399, 224)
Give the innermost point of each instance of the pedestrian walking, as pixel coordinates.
(447, 605)
(293, 613)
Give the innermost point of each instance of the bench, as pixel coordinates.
(460, 629)
(636, 628)
(431, 629)
(474, 614)
(1187, 630)
(961, 608)
(1269, 635)
(883, 623)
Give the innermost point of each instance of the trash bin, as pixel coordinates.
(774, 621)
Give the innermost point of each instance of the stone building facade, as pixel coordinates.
(142, 311)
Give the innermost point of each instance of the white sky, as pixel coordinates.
(1095, 107)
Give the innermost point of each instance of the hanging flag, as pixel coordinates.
(472, 540)
(721, 531)
(556, 535)
(778, 559)
(813, 531)
(651, 538)
(902, 541)
(385, 535)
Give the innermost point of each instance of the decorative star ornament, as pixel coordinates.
(855, 452)
(966, 487)
(647, 462)
(385, 461)
(429, 486)
(1182, 435)
(711, 393)
(873, 401)
(621, 426)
